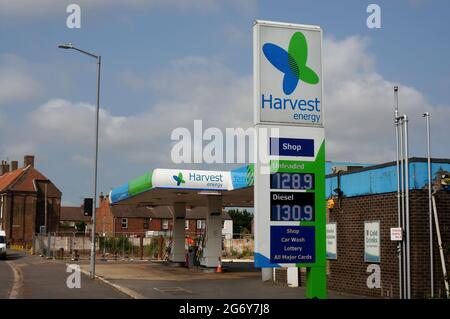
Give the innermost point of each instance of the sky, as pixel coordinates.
(168, 62)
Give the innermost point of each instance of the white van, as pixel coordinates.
(2, 244)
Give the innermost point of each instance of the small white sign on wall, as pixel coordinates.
(396, 234)
(331, 241)
(372, 241)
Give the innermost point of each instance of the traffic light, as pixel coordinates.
(88, 203)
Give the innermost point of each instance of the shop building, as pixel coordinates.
(367, 197)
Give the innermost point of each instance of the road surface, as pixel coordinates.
(23, 276)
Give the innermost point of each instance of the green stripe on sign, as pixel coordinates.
(250, 174)
(140, 184)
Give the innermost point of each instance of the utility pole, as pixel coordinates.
(45, 208)
(426, 115)
(399, 199)
(407, 215)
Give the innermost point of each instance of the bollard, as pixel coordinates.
(75, 255)
(132, 249)
(161, 247)
(141, 247)
(48, 246)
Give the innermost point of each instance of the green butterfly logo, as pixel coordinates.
(292, 62)
(179, 179)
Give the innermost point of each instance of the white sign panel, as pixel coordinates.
(396, 234)
(288, 69)
(372, 241)
(331, 241)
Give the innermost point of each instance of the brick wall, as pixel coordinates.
(281, 276)
(348, 272)
(53, 206)
(106, 222)
(18, 219)
(25, 212)
(420, 269)
(104, 219)
(136, 225)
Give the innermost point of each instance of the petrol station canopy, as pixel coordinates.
(161, 187)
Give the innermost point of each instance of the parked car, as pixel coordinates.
(2, 244)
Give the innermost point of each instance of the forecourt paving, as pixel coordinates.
(162, 281)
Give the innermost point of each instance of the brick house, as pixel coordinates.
(23, 192)
(132, 220)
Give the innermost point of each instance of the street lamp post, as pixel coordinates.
(99, 62)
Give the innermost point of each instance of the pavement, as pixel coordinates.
(27, 276)
(23, 276)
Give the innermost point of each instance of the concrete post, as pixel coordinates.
(267, 274)
(292, 276)
(178, 253)
(213, 240)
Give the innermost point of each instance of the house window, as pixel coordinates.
(186, 225)
(124, 222)
(201, 223)
(165, 224)
(146, 222)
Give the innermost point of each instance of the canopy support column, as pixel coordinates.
(213, 237)
(178, 251)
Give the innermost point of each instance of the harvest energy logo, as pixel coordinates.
(179, 179)
(292, 62)
(287, 103)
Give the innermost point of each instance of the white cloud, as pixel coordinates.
(15, 148)
(357, 104)
(16, 83)
(83, 160)
(197, 88)
(358, 111)
(359, 107)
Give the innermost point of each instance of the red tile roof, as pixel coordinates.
(21, 179)
(73, 214)
(8, 178)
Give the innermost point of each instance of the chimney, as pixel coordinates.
(28, 160)
(14, 165)
(5, 167)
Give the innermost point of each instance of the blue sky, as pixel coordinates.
(194, 58)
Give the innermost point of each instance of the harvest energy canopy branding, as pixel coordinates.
(289, 89)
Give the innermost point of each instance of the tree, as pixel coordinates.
(242, 221)
(80, 226)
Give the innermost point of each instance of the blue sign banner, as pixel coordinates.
(292, 244)
(292, 147)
